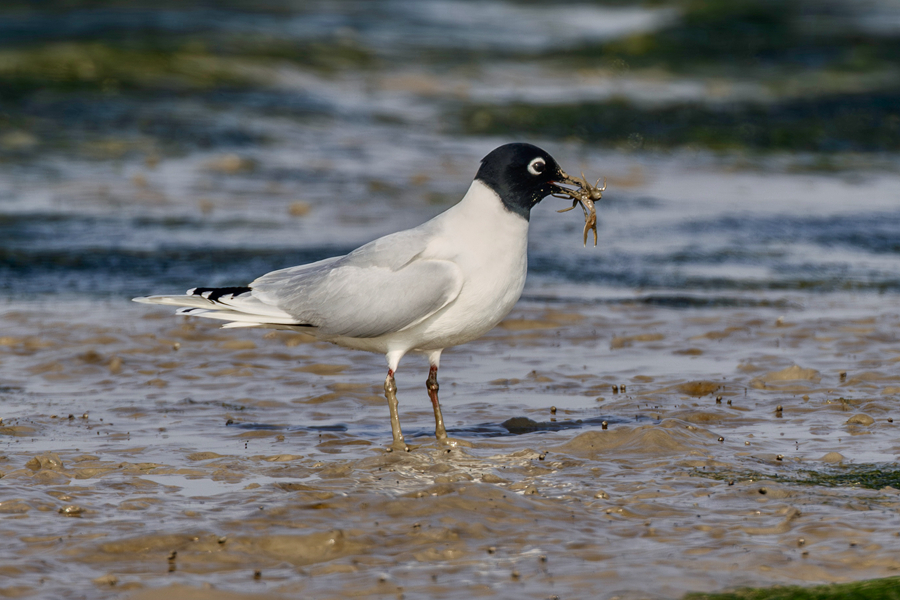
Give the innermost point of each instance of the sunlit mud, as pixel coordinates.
(628, 450)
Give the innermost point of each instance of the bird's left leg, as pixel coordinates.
(432, 385)
(390, 392)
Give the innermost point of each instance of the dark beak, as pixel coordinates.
(563, 177)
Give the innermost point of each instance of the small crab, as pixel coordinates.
(585, 195)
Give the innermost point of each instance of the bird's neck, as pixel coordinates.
(511, 199)
(481, 217)
(482, 202)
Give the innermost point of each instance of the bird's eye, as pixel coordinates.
(537, 166)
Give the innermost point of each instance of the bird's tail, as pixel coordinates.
(237, 305)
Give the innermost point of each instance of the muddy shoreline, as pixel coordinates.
(120, 473)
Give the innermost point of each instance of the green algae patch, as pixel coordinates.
(864, 476)
(849, 73)
(325, 57)
(867, 476)
(149, 64)
(872, 589)
(865, 122)
(93, 66)
(756, 34)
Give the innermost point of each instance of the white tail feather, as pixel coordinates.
(194, 301)
(244, 310)
(239, 325)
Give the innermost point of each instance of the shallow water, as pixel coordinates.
(722, 289)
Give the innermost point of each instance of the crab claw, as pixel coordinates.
(596, 191)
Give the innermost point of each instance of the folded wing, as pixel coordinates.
(362, 301)
(380, 288)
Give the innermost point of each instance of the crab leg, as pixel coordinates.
(585, 195)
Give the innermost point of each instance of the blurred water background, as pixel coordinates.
(750, 146)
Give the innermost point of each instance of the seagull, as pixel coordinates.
(441, 284)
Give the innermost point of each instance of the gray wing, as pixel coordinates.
(382, 287)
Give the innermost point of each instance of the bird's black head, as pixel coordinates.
(522, 175)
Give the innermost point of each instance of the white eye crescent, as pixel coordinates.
(537, 166)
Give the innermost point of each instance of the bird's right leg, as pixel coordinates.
(390, 392)
(431, 384)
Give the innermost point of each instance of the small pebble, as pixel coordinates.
(71, 511)
(860, 419)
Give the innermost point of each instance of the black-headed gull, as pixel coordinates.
(443, 283)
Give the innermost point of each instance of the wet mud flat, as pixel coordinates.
(622, 449)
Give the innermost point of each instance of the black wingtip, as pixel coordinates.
(214, 294)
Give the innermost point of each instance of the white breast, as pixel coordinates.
(489, 244)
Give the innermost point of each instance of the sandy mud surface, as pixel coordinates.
(629, 450)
